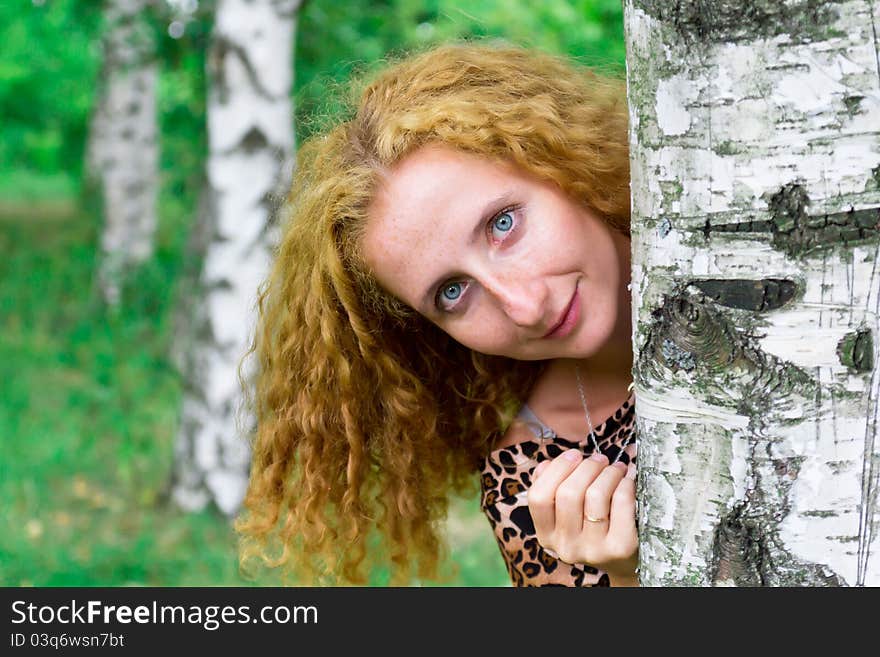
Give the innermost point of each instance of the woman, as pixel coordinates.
(454, 266)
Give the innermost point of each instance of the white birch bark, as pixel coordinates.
(755, 134)
(123, 153)
(250, 142)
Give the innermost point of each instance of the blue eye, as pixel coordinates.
(503, 223)
(450, 295)
(451, 292)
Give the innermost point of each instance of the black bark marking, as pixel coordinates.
(796, 232)
(788, 207)
(738, 551)
(254, 141)
(856, 350)
(853, 104)
(691, 333)
(761, 295)
(222, 47)
(699, 21)
(685, 333)
(743, 554)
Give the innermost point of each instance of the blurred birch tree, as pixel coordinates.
(250, 146)
(123, 149)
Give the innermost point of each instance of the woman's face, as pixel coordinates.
(504, 263)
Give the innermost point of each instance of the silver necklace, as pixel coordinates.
(577, 373)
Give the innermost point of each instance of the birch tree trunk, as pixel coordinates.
(250, 142)
(123, 149)
(755, 134)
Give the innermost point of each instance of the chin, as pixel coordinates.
(592, 345)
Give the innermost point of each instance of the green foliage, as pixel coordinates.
(337, 39)
(51, 60)
(181, 104)
(47, 75)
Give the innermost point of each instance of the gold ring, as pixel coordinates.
(592, 519)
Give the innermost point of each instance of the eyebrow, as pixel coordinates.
(489, 209)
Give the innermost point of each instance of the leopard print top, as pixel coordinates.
(506, 476)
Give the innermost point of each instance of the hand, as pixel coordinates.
(584, 511)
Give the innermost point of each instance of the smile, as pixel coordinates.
(569, 319)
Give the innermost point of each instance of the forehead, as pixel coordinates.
(444, 179)
(423, 214)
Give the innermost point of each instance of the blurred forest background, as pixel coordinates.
(90, 391)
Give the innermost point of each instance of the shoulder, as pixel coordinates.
(518, 432)
(526, 427)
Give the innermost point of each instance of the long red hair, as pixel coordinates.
(367, 415)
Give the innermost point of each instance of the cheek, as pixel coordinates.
(602, 315)
(482, 335)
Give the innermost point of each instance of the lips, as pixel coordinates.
(566, 320)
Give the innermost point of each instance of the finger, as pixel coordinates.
(570, 494)
(623, 510)
(598, 497)
(542, 494)
(539, 469)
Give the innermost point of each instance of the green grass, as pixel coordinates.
(88, 412)
(26, 193)
(21, 185)
(88, 415)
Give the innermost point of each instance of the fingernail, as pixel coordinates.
(631, 471)
(621, 465)
(598, 457)
(573, 455)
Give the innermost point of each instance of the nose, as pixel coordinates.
(522, 299)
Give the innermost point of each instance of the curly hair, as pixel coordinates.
(368, 416)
